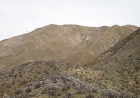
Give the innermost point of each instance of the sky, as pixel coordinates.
(22, 16)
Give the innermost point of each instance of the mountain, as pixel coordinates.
(69, 43)
(72, 61)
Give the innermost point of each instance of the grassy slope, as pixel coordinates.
(121, 69)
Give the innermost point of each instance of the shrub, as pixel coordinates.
(110, 93)
(18, 92)
(68, 95)
(28, 90)
(37, 85)
(90, 96)
(22, 82)
(94, 90)
(124, 95)
(52, 91)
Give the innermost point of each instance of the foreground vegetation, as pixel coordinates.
(47, 79)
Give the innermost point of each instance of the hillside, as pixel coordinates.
(47, 79)
(111, 73)
(120, 65)
(69, 43)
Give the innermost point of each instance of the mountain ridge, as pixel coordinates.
(61, 42)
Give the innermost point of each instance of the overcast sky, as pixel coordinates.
(22, 16)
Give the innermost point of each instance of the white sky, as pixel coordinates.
(22, 16)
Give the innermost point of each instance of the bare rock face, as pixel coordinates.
(69, 43)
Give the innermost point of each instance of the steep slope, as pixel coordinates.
(120, 65)
(100, 43)
(113, 50)
(70, 43)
